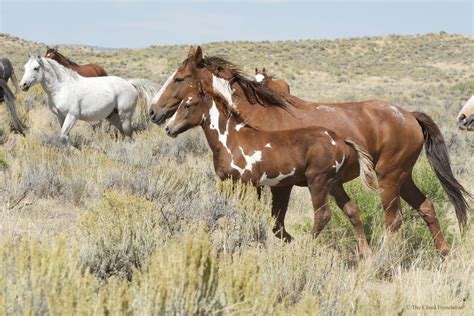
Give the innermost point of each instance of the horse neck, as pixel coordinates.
(260, 116)
(220, 128)
(51, 83)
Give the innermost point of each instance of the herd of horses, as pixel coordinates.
(262, 135)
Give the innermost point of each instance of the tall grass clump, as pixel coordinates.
(118, 235)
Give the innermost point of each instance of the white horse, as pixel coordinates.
(466, 116)
(72, 97)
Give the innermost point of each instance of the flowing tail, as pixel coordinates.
(147, 89)
(15, 81)
(438, 156)
(10, 102)
(367, 171)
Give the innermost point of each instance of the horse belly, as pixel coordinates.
(96, 105)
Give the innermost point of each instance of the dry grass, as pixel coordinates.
(107, 227)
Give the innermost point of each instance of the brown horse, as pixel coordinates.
(270, 82)
(88, 70)
(314, 157)
(392, 136)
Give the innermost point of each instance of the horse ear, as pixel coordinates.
(191, 52)
(47, 47)
(198, 55)
(263, 70)
(256, 70)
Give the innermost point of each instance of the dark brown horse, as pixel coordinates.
(314, 157)
(9, 98)
(7, 72)
(88, 70)
(392, 136)
(279, 85)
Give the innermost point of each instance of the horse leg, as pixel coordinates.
(280, 199)
(60, 118)
(389, 184)
(114, 119)
(352, 211)
(322, 212)
(69, 122)
(126, 119)
(413, 196)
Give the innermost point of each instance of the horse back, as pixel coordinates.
(90, 70)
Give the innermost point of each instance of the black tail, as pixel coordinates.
(17, 125)
(438, 156)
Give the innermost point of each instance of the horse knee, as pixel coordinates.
(427, 211)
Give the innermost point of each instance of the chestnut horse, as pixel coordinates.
(392, 136)
(466, 116)
(272, 83)
(314, 157)
(88, 70)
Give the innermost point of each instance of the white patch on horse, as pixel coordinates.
(172, 119)
(398, 114)
(338, 165)
(239, 126)
(264, 180)
(223, 87)
(333, 142)
(163, 88)
(214, 116)
(268, 145)
(189, 100)
(259, 77)
(250, 160)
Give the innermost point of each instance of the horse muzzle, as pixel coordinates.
(157, 117)
(25, 86)
(172, 131)
(466, 123)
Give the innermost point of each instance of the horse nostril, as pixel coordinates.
(152, 113)
(462, 117)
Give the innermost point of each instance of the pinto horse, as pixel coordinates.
(279, 85)
(314, 157)
(392, 136)
(88, 70)
(466, 116)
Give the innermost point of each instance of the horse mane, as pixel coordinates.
(59, 70)
(254, 92)
(68, 60)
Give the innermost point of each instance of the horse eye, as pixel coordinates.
(36, 68)
(179, 80)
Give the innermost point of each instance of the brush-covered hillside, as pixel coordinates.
(111, 227)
